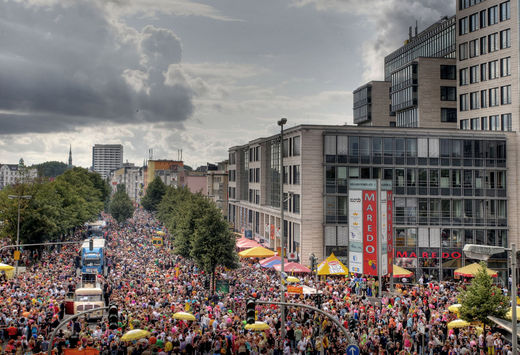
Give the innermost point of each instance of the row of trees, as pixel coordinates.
(55, 207)
(200, 231)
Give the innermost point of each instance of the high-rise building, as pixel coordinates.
(372, 104)
(106, 157)
(487, 63)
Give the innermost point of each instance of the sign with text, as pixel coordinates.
(390, 231)
(355, 218)
(370, 232)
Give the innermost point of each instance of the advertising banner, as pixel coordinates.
(384, 232)
(355, 263)
(370, 232)
(389, 233)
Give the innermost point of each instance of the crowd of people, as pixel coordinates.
(149, 284)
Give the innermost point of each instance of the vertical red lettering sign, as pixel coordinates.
(370, 232)
(389, 233)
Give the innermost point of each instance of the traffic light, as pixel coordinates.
(113, 317)
(73, 340)
(250, 311)
(351, 323)
(318, 301)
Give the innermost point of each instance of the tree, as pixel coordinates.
(121, 207)
(50, 169)
(154, 194)
(482, 299)
(213, 243)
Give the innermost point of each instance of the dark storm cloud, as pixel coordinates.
(64, 67)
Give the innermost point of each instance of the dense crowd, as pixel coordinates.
(149, 284)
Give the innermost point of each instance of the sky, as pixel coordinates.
(197, 76)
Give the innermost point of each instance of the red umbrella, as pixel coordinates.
(244, 243)
(293, 267)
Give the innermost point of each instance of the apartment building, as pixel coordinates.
(217, 185)
(106, 157)
(132, 177)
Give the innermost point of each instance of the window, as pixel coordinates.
(473, 48)
(493, 123)
(473, 22)
(483, 19)
(493, 97)
(296, 175)
(493, 42)
(296, 203)
(507, 124)
(474, 100)
(448, 115)
(505, 66)
(483, 45)
(505, 11)
(463, 76)
(463, 51)
(448, 93)
(483, 99)
(448, 72)
(464, 124)
(493, 73)
(475, 124)
(505, 95)
(483, 72)
(493, 15)
(505, 38)
(463, 26)
(484, 124)
(463, 102)
(473, 74)
(296, 146)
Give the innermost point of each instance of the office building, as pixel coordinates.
(372, 105)
(449, 186)
(217, 185)
(106, 157)
(487, 42)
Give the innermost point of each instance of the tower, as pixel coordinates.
(70, 157)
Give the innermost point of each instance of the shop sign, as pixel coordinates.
(428, 255)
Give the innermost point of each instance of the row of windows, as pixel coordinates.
(493, 123)
(464, 4)
(407, 118)
(291, 147)
(485, 71)
(486, 98)
(254, 154)
(254, 175)
(254, 196)
(485, 44)
(291, 203)
(447, 237)
(484, 18)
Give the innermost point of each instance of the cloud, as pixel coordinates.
(65, 65)
(389, 21)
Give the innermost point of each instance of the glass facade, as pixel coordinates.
(362, 101)
(448, 192)
(436, 41)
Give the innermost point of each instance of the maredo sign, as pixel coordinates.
(428, 255)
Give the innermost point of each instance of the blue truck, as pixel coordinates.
(93, 256)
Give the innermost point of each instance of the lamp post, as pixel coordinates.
(483, 252)
(281, 122)
(25, 197)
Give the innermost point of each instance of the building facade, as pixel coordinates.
(11, 174)
(170, 172)
(372, 105)
(217, 186)
(487, 42)
(106, 157)
(132, 177)
(449, 186)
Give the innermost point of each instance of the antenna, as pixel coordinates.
(410, 33)
(150, 154)
(416, 28)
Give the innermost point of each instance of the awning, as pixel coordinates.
(472, 270)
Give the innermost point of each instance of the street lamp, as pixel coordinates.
(281, 122)
(25, 197)
(483, 252)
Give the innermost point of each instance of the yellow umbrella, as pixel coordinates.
(257, 326)
(135, 334)
(454, 307)
(332, 266)
(160, 233)
(256, 252)
(184, 316)
(458, 323)
(509, 313)
(472, 270)
(292, 279)
(401, 272)
(5, 267)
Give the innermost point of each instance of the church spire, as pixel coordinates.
(70, 156)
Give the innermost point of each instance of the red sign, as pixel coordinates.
(389, 234)
(295, 289)
(428, 255)
(272, 232)
(370, 232)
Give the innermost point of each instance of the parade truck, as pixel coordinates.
(93, 256)
(89, 298)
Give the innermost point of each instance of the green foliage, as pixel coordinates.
(201, 232)
(482, 299)
(55, 208)
(51, 169)
(154, 194)
(121, 207)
